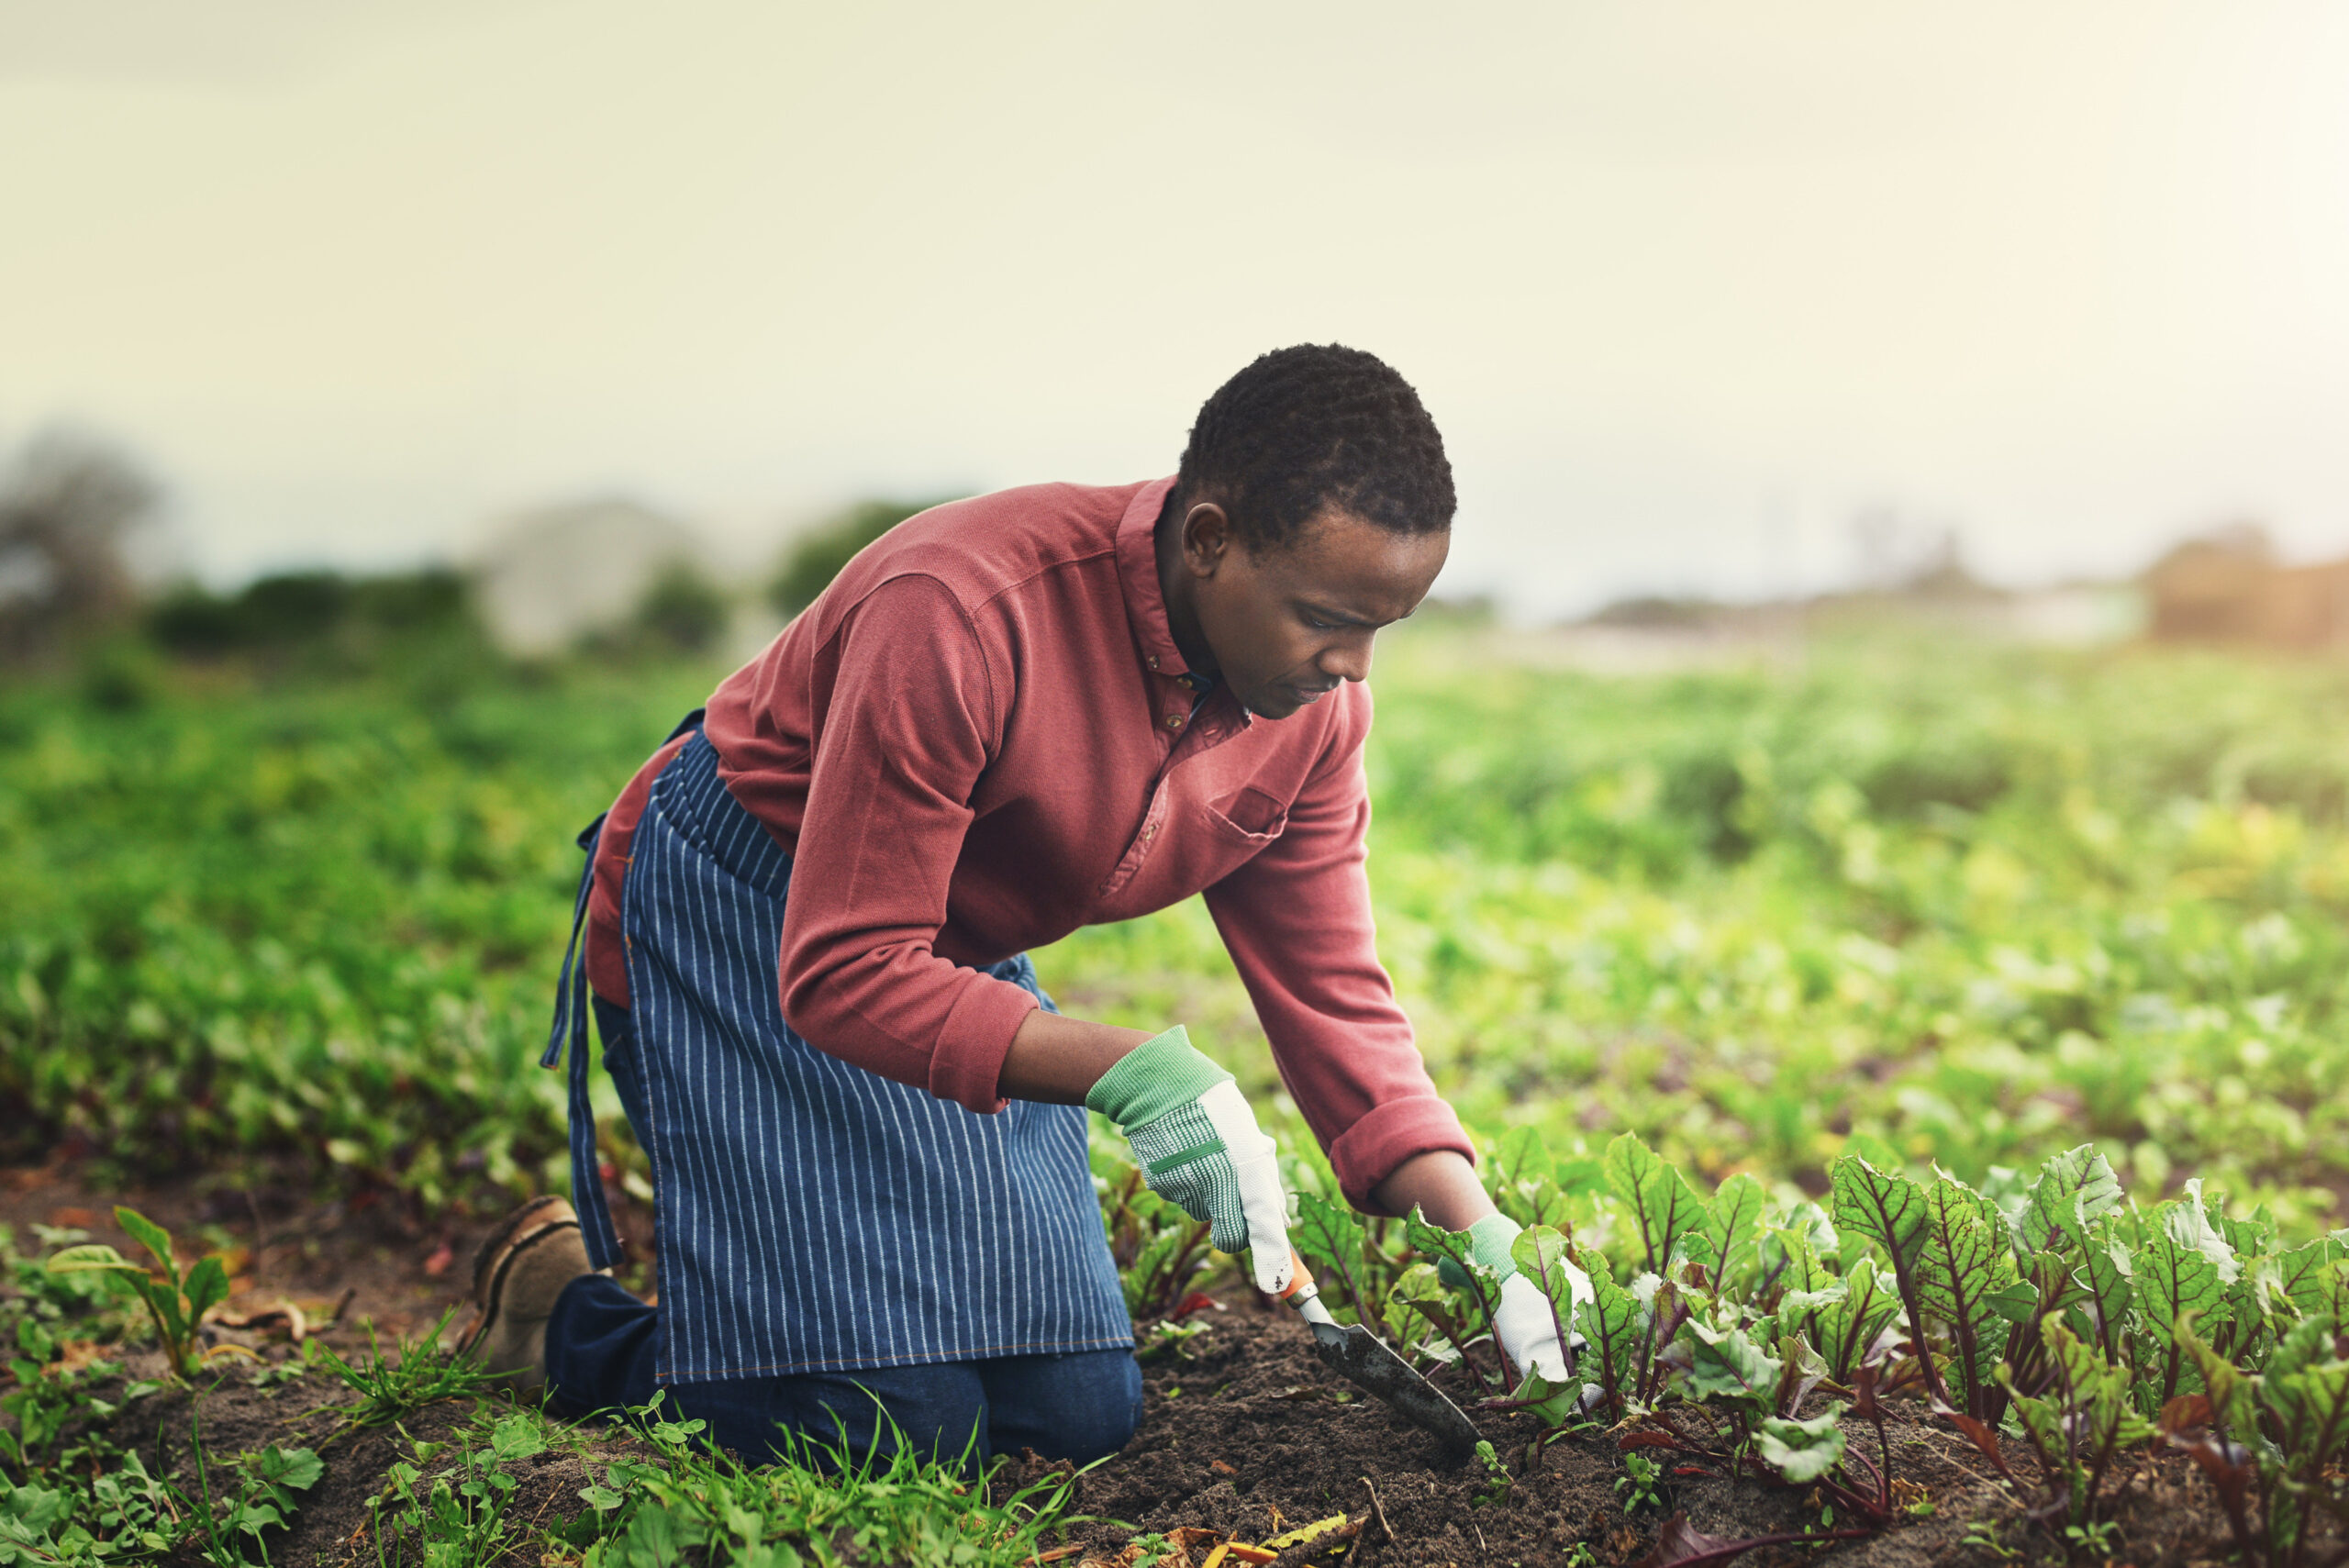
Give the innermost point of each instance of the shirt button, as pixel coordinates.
(1150, 832)
(1153, 661)
(1174, 721)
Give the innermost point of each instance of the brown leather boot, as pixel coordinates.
(517, 1273)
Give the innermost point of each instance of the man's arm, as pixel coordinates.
(908, 711)
(1440, 1183)
(1057, 1060)
(1296, 921)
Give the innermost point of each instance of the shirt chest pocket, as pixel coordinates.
(1248, 818)
(1209, 838)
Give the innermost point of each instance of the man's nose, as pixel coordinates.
(1348, 661)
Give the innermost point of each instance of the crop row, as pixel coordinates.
(1747, 1332)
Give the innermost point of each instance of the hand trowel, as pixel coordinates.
(1361, 1358)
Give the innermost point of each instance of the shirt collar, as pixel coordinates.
(1138, 572)
(1212, 712)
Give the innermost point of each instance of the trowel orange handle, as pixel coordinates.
(1301, 1288)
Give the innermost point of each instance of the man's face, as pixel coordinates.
(1287, 622)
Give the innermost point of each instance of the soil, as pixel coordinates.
(1252, 1435)
(1245, 1433)
(333, 1524)
(349, 1259)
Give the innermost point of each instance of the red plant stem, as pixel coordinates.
(1904, 1282)
(1883, 1444)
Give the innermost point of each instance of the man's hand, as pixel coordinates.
(1523, 1323)
(1199, 1147)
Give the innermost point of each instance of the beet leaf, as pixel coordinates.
(1966, 1277)
(1725, 1363)
(1331, 1240)
(1662, 1203)
(2183, 1268)
(1612, 1321)
(1522, 1181)
(1731, 1224)
(2112, 1293)
(2075, 1190)
(2084, 1420)
(1890, 1210)
(1802, 1452)
(2316, 1277)
(2287, 1429)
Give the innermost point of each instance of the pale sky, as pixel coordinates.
(1685, 284)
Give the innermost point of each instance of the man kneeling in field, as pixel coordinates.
(807, 923)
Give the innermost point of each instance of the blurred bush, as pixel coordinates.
(683, 610)
(67, 506)
(809, 566)
(323, 622)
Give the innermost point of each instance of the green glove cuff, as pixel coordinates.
(1157, 1075)
(1488, 1241)
(1494, 1234)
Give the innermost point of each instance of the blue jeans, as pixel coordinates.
(1081, 1407)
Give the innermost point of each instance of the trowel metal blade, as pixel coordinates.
(1358, 1355)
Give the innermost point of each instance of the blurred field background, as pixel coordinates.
(296, 887)
(1889, 685)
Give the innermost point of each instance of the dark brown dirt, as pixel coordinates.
(1251, 1435)
(281, 1238)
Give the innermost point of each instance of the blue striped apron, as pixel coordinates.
(811, 1214)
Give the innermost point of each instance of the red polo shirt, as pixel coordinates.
(979, 739)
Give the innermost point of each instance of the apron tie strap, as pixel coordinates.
(571, 1015)
(571, 1011)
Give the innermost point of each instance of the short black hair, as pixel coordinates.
(1317, 425)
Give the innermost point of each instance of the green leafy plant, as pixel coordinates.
(2270, 1442)
(44, 1399)
(176, 1301)
(1815, 1452)
(2079, 1426)
(1663, 1207)
(1464, 1313)
(120, 1513)
(1497, 1477)
(453, 1498)
(1641, 1483)
(421, 1372)
(1614, 1325)
(2096, 1539)
(1984, 1537)
(827, 1503)
(2076, 1426)
(257, 1495)
(1359, 1262)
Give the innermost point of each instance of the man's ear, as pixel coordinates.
(1207, 537)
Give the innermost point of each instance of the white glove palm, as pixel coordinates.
(1523, 1322)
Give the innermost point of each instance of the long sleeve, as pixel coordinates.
(909, 714)
(1297, 920)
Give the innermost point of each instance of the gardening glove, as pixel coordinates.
(1523, 1322)
(1199, 1148)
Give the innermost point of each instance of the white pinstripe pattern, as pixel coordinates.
(813, 1215)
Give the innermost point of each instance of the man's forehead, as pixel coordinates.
(1347, 562)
